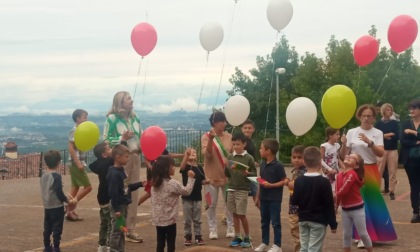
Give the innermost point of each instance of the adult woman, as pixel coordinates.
(390, 129)
(121, 119)
(410, 140)
(367, 142)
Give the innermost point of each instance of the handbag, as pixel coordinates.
(414, 152)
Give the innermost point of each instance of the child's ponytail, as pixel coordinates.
(160, 170)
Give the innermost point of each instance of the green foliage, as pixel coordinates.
(391, 78)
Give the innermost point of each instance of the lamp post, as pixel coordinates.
(279, 71)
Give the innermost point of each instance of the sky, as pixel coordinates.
(56, 56)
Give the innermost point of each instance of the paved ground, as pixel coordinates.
(21, 215)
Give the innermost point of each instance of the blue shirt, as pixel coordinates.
(272, 172)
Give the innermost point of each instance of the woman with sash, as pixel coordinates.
(368, 142)
(215, 146)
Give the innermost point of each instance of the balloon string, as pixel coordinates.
(271, 88)
(225, 51)
(202, 83)
(144, 85)
(233, 128)
(138, 76)
(383, 79)
(358, 81)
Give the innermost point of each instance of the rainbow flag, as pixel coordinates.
(378, 221)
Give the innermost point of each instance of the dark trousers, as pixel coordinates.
(53, 224)
(270, 211)
(167, 235)
(413, 174)
(385, 176)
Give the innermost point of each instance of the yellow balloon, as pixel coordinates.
(338, 105)
(86, 136)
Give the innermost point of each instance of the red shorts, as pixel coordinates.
(148, 187)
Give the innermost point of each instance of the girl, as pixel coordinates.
(329, 153)
(165, 196)
(348, 185)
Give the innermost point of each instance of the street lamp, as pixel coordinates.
(279, 71)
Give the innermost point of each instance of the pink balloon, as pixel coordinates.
(153, 142)
(143, 38)
(402, 32)
(365, 50)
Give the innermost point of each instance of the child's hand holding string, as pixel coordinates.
(191, 174)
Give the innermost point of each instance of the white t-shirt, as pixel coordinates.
(359, 147)
(331, 154)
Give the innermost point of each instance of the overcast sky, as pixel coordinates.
(56, 56)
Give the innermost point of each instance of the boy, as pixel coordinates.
(119, 194)
(248, 129)
(76, 166)
(313, 195)
(298, 170)
(238, 188)
(192, 203)
(100, 166)
(270, 194)
(53, 198)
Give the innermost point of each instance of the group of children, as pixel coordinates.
(311, 208)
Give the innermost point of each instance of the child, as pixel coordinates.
(313, 196)
(248, 129)
(53, 198)
(119, 194)
(76, 166)
(148, 187)
(238, 187)
(165, 196)
(349, 182)
(100, 166)
(270, 194)
(192, 203)
(329, 153)
(298, 170)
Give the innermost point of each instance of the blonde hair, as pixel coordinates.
(384, 106)
(117, 105)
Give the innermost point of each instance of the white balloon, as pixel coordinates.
(279, 13)
(211, 36)
(237, 110)
(301, 115)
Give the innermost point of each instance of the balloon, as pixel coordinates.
(211, 36)
(301, 115)
(86, 136)
(237, 110)
(338, 105)
(143, 38)
(402, 32)
(153, 142)
(279, 13)
(365, 50)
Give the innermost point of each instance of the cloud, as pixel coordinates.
(180, 104)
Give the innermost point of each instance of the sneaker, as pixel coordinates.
(48, 249)
(230, 232)
(187, 241)
(415, 218)
(71, 216)
(263, 247)
(134, 237)
(213, 235)
(360, 244)
(246, 243)
(385, 191)
(275, 248)
(235, 242)
(102, 248)
(199, 240)
(392, 195)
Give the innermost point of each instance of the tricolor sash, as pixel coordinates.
(221, 153)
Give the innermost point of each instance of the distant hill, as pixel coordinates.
(36, 133)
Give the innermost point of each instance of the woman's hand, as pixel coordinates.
(364, 138)
(410, 131)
